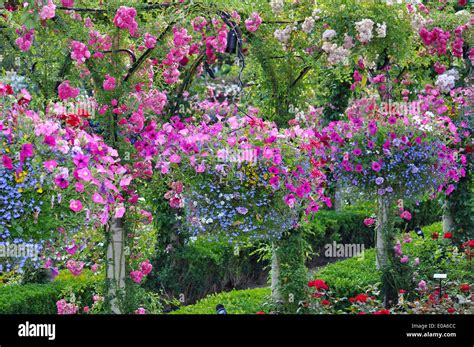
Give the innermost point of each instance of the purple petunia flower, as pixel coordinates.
(379, 180)
(242, 210)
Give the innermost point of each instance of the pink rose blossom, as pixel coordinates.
(109, 83)
(65, 91)
(136, 276)
(125, 19)
(64, 307)
(150, 41)
(253, 22)
(67, 3)
(48, 11)
(369, 221)
(140, 310)
(406, 215)
(146, 267)
(25, 41)
(79, 52)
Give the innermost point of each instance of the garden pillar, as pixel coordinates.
(382, 229)
(116, 264)
(275, 275)
(447, 218)
(338, 197)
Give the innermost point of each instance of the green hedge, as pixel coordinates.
(203, 267)
(247, 301)
(41, 298)
(342, 227)
(346, 278)
(349, 277)
(347, 226)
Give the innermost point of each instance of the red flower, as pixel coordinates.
(325, 302)
(361, 313)
(318, 284)
(470, 243)
(9, 89)
(435, 236)
(384, 311)
(448, 235)
(23, 101)
(83, 113)
(361, 298)
(402, 291)
(451, 310)
(73, 120)
(465, 287)
(260, 312)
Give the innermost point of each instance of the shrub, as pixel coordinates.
(202, 267)
(347, 226)
(349, 277)
(247, 301)
(41, 298)
(340, 227)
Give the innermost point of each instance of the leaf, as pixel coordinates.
(29, 20)
(364, 80)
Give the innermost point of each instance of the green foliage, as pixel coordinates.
(461, 206)
(349, 277)
(340, 226)
(423, 214)
(291, 259)
(203, 266)
(247, 301)
(438, 256)
(41, 298)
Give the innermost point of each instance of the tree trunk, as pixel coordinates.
(116, 264)
(275, 275)
(381, 230)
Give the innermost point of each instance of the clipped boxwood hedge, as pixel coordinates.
(41, 298)
(349, 277)
(248, 301)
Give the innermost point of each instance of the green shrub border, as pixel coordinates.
(41, 298)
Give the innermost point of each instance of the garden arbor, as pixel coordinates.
(144, 70)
